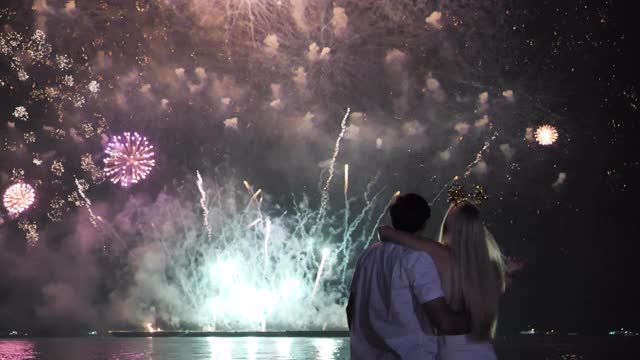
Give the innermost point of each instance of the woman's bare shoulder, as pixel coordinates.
(437, 249)
(441, 254)
(439, 246)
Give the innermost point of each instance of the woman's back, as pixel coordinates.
(460, 347)
(472, 281)
(475, 276)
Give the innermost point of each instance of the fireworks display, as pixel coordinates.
(284, 94)
(19, 197)
(245, 257)
(130, 159)
(546, 135)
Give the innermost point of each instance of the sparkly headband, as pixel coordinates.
(457, 195)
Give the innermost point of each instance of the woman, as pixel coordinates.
(472, 271)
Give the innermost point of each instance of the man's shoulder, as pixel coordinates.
(371, 249)
(395, 253)
(416, 258)
(367, 254)
(386, 248)
(391, 249)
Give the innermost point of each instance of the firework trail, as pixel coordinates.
(469, 167)
(93, 217)
(346, 178)
(346, 201)
(248, 187)
(97, 221)
(375, 227)
(255, 195)
(479, 155)
(455, 178)
(203, 204)
(258, 201)
(348, 244)
(325, 253)
(267, 234)
(254, 223)
(324, 199)
(347, 229)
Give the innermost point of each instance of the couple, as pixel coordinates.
(414, 298)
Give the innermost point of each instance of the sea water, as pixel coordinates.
(209, 348)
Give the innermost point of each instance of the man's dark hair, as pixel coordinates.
(409, 213)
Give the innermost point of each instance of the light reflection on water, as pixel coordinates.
(16, 349)
(110, 348)
(259, 348)
(284, 347)
(325, 348)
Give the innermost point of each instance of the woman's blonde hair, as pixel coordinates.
(476, 277)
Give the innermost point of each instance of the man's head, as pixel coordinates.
(409, 213)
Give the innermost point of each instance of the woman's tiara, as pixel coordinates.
(457, 195)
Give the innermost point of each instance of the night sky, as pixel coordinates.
(255, 90)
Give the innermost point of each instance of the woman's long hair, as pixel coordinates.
(476, 277)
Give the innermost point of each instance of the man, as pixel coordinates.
(396, 295)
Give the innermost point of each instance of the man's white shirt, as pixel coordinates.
(389, 286)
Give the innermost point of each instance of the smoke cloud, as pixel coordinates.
(237, 92)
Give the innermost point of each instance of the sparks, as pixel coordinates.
(94, 86)
(19, 197)
(267, 234)
(87, 203)
(325, 253)
(546, 135)
(375, 227)
(346, 178)
(324, 198)
(470, 166)
(21, 113)
(203, 204)
(130, 159)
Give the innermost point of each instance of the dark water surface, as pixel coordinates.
(111, 348)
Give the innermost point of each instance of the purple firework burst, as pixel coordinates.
(130, 159)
